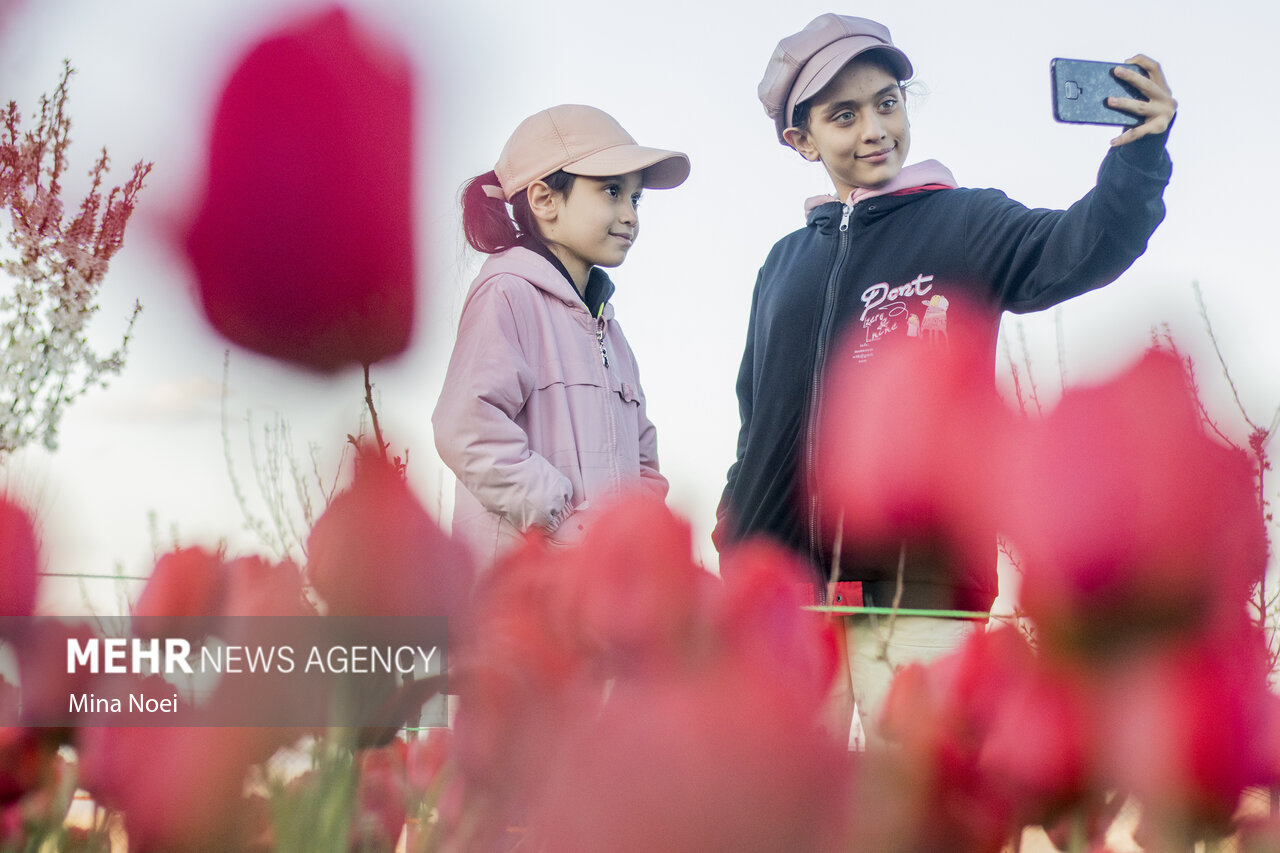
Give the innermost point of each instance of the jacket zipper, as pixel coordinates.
(815, 384)
(609, 412)
(604, 354)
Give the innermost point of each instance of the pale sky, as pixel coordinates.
(678, 75)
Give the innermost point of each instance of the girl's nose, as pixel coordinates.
(873, 128)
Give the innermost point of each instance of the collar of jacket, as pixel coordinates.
(539, 272)
(927, 174)
(599, 288)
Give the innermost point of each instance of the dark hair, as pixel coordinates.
(485, 221)
(800, 115)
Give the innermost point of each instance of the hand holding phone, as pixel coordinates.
(1133, 94)
(1081, 88)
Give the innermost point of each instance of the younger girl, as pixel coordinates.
(541, 411)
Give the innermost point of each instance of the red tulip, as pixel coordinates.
(183, 596)
(303, 244)
(380, 561)
(19, 562)
(26, 754)
(713, 759)
(760, 622)
(42, 666)
(934, 787)
(179, 788)
(1190, 725)
(1129, 518)
(1039, 748)
(427, 757)
(906, 450)
(522, 676)
(631, 585)
(381, 798)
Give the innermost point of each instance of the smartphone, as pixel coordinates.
(1081, 88)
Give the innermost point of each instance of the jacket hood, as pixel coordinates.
(540, 272)
(925, 174)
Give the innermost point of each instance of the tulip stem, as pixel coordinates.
(373, 414)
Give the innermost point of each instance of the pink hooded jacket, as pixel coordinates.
(541, 409)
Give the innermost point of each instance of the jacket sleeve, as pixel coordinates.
(725, 530)
(650, 477)
(1038, 258)
(488, 380)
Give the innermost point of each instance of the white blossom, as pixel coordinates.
(54, 270)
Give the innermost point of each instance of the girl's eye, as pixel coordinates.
(888, 104)
(612, 190)
(847, 115)
(635, 199)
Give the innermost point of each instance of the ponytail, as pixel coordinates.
(485, 221)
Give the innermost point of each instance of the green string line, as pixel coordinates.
(91, 576)
(901, 611)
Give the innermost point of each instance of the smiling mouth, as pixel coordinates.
(627, 238)
(878, 156)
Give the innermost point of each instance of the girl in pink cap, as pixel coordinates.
(541, 410)
(893, 239)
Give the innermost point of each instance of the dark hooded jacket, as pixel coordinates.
(929, 262)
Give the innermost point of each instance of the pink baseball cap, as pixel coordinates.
(804, 62)
(584, 141)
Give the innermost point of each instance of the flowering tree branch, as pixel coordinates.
(56, 267)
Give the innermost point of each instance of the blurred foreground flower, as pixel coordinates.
(183, 597)
(1128, 518)
(19, 562)
(905, 467)
(707, 735)
(179, 788)
(303, 244)
(382, 564)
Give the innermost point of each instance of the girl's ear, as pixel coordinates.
(801, 141)
(544, 202)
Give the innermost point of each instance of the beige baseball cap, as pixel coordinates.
(804, 62)
(584, 141)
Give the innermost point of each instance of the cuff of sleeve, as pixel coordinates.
(557, 518)
(1149, 151)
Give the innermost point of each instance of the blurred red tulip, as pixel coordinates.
(179, 788)
(42, 668)
(43, 806)
(1129, 519)
(713, 759)
(381, 798)
(906, 451)
(1190, 725)
(257, 588)
(1039, 749)
(760, 621)
(631, 584)
(382, 564)
(933, 790)
(183, 597)
(19, 562)
(522, 677)
(26, 754)
(427, 757)
(303, 244)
